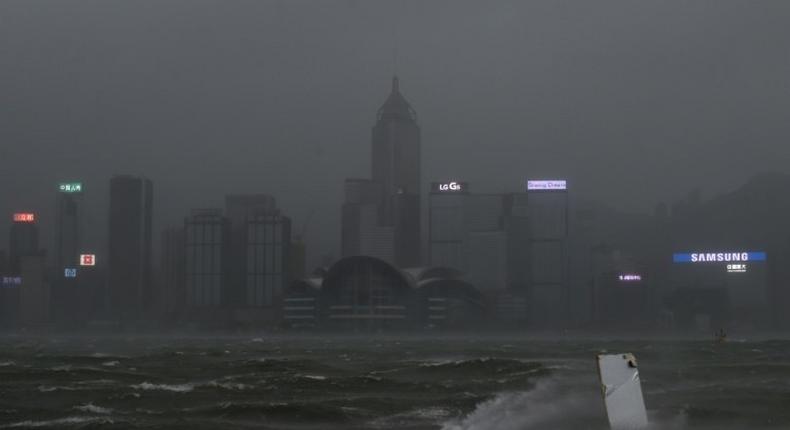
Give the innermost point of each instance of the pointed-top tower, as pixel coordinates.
(395, 165)
(396, 107)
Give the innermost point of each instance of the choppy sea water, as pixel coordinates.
(380, 382)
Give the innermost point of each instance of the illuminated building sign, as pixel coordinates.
(718, 257)
(87, 259)
(24, 217)
(70, 187)
(449, 187)
(70, 272)
(736, 268)
(558, 184)
(630, 277)
(12, 281)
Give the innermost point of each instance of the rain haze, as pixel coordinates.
(353, 214)
(635, 102)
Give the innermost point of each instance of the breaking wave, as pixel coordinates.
(551, 404)
(60, 422)
(176, 388)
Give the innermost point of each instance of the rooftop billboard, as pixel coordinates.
(24, 217)
(718, 257)
(547, 184)
(449, 187)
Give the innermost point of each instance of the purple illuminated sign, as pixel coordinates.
(552, 184)
(11, 281)
(630, 277)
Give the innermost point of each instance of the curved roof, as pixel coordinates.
(343, 265)
(319, 272)
(305, 285)
(422, 273)
(396, 107)
(449, 285)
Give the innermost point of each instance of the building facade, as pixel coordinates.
(268, 264)
(129, 280)
(548, 292)
(206, 240)
(22, 240)
(381, 215)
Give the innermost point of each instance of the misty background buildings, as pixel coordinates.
(536, 258)
(280, 98)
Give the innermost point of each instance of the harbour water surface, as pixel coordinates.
(380, 382)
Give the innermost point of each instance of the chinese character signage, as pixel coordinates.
(70, 187)
(87, 259)
(630, 277)
(736, 268)
(70, 272)
(24, 217)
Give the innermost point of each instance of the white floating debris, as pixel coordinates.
(622, 392)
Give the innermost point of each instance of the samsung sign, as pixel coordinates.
(716, 257)
(449, 187)
(558, 184)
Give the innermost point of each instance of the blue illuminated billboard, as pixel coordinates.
(718, 257)
(70, 272)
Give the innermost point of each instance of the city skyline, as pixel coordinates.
(557, 93)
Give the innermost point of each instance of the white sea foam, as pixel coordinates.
(228, 385)
(112, 363)
(314, 377)
(59, 422)
(49, 389)
(555, 403)
(7, 363)
(176, 388)
(548, 405)
(91, 408)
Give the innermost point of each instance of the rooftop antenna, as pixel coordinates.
(395, 39)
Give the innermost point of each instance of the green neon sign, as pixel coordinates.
(70, 187)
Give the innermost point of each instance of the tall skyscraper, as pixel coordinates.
(172, 276)
(68, 225)
(22, 239)
(268, 259)
(129, 283)
(548, 251)
(239, 208)
(395, 152)
(363, 230)
(34, 299)
(69, 294)
(260, 251)
(207, 251)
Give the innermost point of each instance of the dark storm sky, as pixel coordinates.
(634, 101)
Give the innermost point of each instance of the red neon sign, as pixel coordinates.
(88, 260)
(24, 217)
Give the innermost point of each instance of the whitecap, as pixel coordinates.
(59, 422)
(91, 408)
(314, 377)
(228, 385)
(49, 389)
(176, 388)
(7, 363)
(112, 363)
